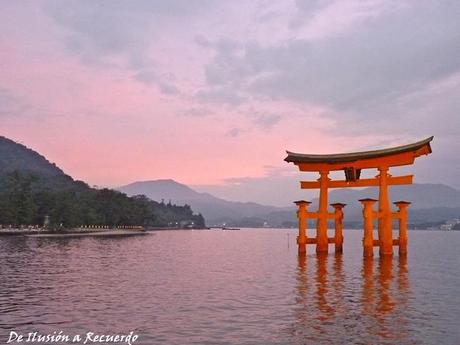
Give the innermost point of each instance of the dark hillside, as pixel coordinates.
(31, 187)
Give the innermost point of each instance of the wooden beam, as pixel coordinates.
(366, 182)
(315, 215)
(309, 184)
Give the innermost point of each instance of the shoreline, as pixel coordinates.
(108, 233)
(71, 232)
(77, 232)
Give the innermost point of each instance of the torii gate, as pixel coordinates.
(352, 164)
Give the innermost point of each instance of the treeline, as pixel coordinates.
(27, 198)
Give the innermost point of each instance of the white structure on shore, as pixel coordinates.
(448, 225)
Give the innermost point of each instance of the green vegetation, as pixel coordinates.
(32, 188)
(23, 200)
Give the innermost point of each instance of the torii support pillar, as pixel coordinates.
(368, 216)
(402, 217)
(384, 216)
(302, 217)
(338, 219)
(322, 243)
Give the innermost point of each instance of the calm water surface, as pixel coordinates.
(231, 287)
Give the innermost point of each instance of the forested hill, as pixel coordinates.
(14, 156)
(32, 187)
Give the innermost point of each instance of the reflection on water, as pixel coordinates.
(326, 298)
(231, 287)
(385, 296)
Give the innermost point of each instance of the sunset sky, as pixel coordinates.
(212, 93)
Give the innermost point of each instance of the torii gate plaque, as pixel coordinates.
(352, 164)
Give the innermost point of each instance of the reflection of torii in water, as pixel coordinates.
(385, 296)
(352, 164)
(325, 314)
(320, 298)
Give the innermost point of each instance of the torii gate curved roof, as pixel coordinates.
(352, 163)
(418, 148)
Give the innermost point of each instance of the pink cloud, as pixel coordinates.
(102, 125)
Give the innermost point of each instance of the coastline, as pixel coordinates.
(72, 232)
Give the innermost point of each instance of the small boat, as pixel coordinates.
(225, 228)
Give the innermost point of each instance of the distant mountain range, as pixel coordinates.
(431, 204)
(215, 210)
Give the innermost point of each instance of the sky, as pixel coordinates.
(212, 93)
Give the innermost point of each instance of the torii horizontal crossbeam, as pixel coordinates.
(367, 182)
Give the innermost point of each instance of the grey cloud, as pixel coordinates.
(11, 105)
(432, 110)
(310, 6)
(6, 101)
(356, 73)
(220, 95)
(163, 82)
(98, 29)
(118, 34)
(108, 27)
(223, 45)
(147, 77)
(197, 112)
(280, 171)
(167, 88)
(266, 121)
(234, 132)
(306, 10)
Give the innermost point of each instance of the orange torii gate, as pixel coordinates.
(352, 164)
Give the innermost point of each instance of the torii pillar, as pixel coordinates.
(302, 218)
(321, 225)
(384, 220)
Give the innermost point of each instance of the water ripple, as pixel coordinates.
(240, 287)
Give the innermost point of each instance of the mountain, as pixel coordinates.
(420, 195)
(31, 188)
(15, 156)
(215, 210)
(431, 203)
